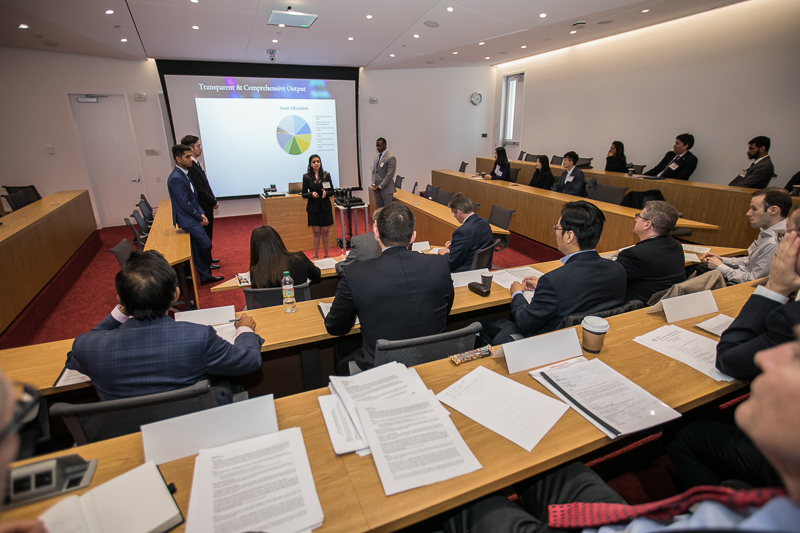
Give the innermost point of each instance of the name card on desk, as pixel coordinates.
(542, 350)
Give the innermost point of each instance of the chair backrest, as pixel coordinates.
(574, 320)
(443, 197)
(398, 181)
(414, 190)
(29, 190)
(412, 352)
(483, 257)
(474, 205)
(17, 200)
(431, 192)
(514, 175)
(500, 216)
(531, 157)
(272, 296)
(591, 184)
(143, 198)
(463, 166)
(584, 162)
(92, 422)
(147, 213)
(144, 227)
(122, 251)
(557, 160)
(609, 193)
(138, 238)
(637, 169)
(521, 155)
(637, 199)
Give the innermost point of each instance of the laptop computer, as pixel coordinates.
(296, 188)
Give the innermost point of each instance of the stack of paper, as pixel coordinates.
(421, 246)
(260, 484)
(689, 348)
(323, 264)
(505, 278)
(610, 401)
(696, 249)
(462, 279)
(221, 318)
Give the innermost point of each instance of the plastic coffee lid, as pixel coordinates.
(595, 324)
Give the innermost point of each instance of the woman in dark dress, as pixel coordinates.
(269, 259)
(318, 188)
(616, 160)
(542, 176)
(502, 168)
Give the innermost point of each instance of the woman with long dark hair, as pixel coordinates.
(318, 188)
(542, 176)
(616, 160)
(502, 168)
(269, 259)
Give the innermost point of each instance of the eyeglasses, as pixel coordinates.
(556, 228)
(638, 216)
(27, 400)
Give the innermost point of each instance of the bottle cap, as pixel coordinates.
(285, 272)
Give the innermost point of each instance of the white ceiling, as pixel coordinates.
(237, 30)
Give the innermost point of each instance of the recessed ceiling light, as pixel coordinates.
(449, 9)
(274, 40)
(523, 46)
(416, 36)
(645, 11)
(195, 27)
(487, 57)
(281, 25)
(349, 38)
(542, 15)
(455, 53)
(369, 16)
(109, 11)
(481, 43)
(573, 32)
(391, 55)
(23, 26)
(195, 1)
(123, 40)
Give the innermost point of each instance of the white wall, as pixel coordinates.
(726, 76)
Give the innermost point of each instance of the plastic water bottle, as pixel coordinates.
(287, 287)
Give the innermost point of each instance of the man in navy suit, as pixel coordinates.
(187, 213)
(761, 170)
(205, 196)
(680, 163)
(572, 180)
(586, 283)
(138, 349)
(474, 234)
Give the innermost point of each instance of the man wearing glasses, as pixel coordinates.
(656, 262)
(585, 284)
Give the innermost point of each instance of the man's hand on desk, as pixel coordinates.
(244, 320)
(712, 260)
(527, 284)
(783, 276)
(23, 526)
(446, 248)
(204, 222)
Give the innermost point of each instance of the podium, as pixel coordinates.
(287, 215)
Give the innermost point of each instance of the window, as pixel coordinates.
(512, 108)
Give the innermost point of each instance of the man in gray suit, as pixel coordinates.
(362, 247)
(383, 168)
(761, 170)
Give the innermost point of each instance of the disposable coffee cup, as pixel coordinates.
(594, 333)
(483, 175)
(486, 281)
(630, 172)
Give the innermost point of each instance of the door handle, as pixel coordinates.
(137, 180)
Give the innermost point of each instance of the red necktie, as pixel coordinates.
(573, 515)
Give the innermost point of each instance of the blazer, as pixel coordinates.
(505, 172)
(140, 357)
(576, 185)
(587, 283)
(186, 212)
(362, 247)
(542, 180)
(301, 270)
(317, 204)
(205, 196)
(475, 233)
(757, 176)
(399, 295)
(762, 323)
(651, 266)
(686, 166)
(383, 176)
(616, 164)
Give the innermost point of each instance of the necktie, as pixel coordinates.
(574, 515)
(378, 161)
(674, 159)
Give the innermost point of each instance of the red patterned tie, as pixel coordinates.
(573, 515)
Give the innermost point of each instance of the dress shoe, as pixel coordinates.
(215, 260)
(213, 267)
(212, 279)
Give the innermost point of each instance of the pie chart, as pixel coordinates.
(294, 135)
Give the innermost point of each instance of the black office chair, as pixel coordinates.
(421, 350)
(147, 213)
(584, 162)
(144, 227)
(431, 192)
(609, 193)
(93, 422)
(531, 157)
(273, 296)
(557, 160)
(122, 251)
(414, 190)
(483, 257)
(463, 167)
(443, 197)
(521, 155)
(637, 169)
(17, 200)
(501, 217)
(514, 175)
(143, 198)
(29, 191)
(138, 238)
(475, 205)
(591, 184)
(398, 181)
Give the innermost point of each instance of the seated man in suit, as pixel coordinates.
(399, 295)
(656, 262)
(474, 234)
(761, 170)
(764, 417)
(187, 213)
(572, 180)
(680, 163)
(362, 247)
(586, 283)
(138, 349)
(768, 211)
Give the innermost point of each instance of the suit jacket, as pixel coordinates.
(616, 164)
(761, 324)
(757, 176)
(686, 165)
(362, 247)
(205, 196)
(475, 233)
(317, 204)
(136, 357)
(186, 212)
(651, 266)
(542, 179)
(399, 295)
(575, 187)
(587, 283)
(505, 172)
(383, 176)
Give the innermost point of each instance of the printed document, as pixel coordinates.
(322, 264)
(689, 348)
(506, 277)
(421, 246)
(462, 279)
(343, 434)
(696, 249)
(716, 325)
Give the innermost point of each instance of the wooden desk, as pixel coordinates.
(176, 247)
(35, 242)
(349, 487)
(287, 215)
(232, 284)
(537, 210)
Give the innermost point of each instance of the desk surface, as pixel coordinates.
(349, 487)
(232, 284)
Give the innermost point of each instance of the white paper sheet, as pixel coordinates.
(226, 331)
(696, 249)
(691, 258)
(343, 434)
(435, 250)
(413, 444)
(322, 264)
(70, 377)
(542, 350)
(186, 435)
(611, 402)
(208, 317)
(510, 409)
(716, 325)
(421, 246)
(462, 279)
(505, 278)
(689, 348)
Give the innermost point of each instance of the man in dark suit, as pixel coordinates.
(362, 247)
(399, 295)
(586, 283)
(680, 163)
(474, 234)
(187, 213)
(572, 180)
(383, 168)
(138, 349)
(761, 170)
(205, 196)
(656, 262)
